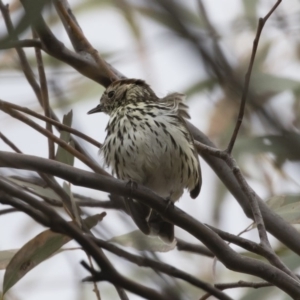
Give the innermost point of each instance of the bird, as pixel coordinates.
(149, 143)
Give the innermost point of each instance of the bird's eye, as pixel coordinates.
(110, 94)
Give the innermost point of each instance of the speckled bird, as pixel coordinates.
(149, 143)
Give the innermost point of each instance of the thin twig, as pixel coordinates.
(7, 211)
(45, 95)
(23, 207)
(115, 202)
(96, 290)
(194, 248)
(239, 284)
(29, 43)
(22, 56)
(53, 122)
(73, 27)
(57, 140)
(261, 23)
(9, 143)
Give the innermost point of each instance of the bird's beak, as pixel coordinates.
(97, 109)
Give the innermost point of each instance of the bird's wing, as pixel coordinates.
(175, 102)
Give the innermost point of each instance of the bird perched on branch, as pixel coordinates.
(149, 143)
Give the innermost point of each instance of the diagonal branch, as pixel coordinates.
(80, 42)
(51, 121)
(239, 284)
(22, 44)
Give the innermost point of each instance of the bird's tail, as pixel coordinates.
(160, 227)
(150, 222)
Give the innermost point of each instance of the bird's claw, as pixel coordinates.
(169, 203)
(132, 185)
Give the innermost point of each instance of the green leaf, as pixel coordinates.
(286, 207)
(6, 256)
(37, 189)
(285, 146)
(262, 293)
(290, 213)
(36, 251)
(128, 13)
(166, 20)
(250, 7)
(207, 84)
(62, 155)
(67, 188)
(276, 202)
(261, 54)
(268, 83)
(139, 241)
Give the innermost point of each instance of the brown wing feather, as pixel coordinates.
(176, 100)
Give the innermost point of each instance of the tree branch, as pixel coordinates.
(45, 96)
(214, 243)
(161, 267)
(239, 284)
(48, 217)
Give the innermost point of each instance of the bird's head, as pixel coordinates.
(123, 92)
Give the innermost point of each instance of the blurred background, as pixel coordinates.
(201, 49)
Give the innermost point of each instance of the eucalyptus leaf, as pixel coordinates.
(276, 202)
(62, 155)
(42, 191)
(6, 256)
(38, 249)
(139, 241)
(207, 84)
(268, 83)
(250, 7)
(67, 188)
(290, 213)
(284, 147)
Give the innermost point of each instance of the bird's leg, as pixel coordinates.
(132, 185)
(138, 211)
(169, 202)
(148, 218)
